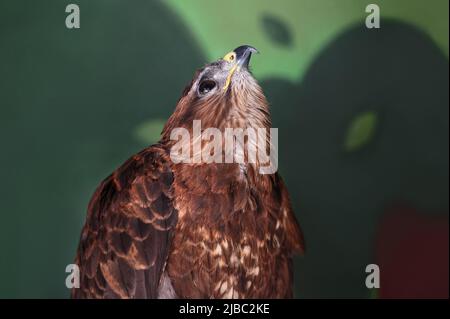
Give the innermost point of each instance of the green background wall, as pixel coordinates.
(362, 117)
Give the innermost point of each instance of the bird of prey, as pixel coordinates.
(158, 228)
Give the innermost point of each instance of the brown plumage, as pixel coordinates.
(157, 229)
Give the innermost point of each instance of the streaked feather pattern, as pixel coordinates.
(156, 229)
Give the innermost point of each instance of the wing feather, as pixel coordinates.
(125, 242)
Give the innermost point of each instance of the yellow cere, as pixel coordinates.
(230, 57)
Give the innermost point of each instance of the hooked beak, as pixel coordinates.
(241, 58)
(243, 55)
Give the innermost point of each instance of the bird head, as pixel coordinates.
(232, 68)
(223, 94)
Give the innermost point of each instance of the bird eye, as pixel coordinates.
(206, 86)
